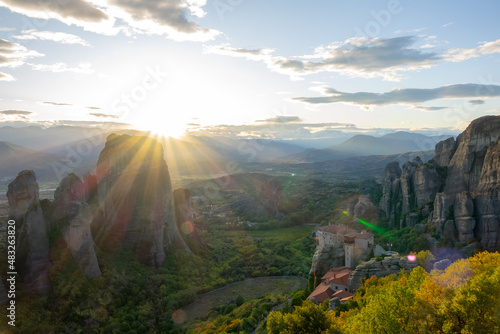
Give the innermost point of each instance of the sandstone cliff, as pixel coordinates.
(135, 196)
(458, 191)
(75, 217)
(32, 245)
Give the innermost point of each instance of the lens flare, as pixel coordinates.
(187, 228)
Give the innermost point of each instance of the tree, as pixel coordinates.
(239, 300)
(307, 319)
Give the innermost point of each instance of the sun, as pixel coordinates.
(161, 125)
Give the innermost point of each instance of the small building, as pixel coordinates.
(321, 293)
(337, 278)
(344, 296)
(357, 245)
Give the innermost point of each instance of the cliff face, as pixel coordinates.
(404, 190)
(135, 196)
(184, 219)
(71, 208)
(463, 184)
(32, 245)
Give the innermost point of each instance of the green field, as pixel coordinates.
(249, 289)
(288, 233)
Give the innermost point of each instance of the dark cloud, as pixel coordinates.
(104, 115)
(57, 103)
(75, 9)
(281, 119)
(475, 102)
(412, 96)
(16, 112)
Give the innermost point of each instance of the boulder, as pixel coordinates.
(442, 265)
(334, 303)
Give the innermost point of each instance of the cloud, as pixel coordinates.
(83, 68)
(167, 17)
(66, 11)
(475, 102)
(460, 54)
(13, 55)
(407, 96)
(93, 108)
(16, 112)
(58, 37)
(57, 104)
(359, 57)
(104, 115)
(281, 119)
(424, 108)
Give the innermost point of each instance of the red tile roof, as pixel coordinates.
(343, 295)
(338, 275)
(322, 293)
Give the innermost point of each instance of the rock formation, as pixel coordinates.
(75, 217)
(184, 218)
(32, 245)
(325, 258)
(386, 267)
(404, 190)
(135, 196)
(462, 181)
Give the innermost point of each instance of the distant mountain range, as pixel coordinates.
(363, 145)
(76, 150)
(14, 158)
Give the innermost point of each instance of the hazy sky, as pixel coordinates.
(171, 64)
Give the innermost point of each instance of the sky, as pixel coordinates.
(250, 68)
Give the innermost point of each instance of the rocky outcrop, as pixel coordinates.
(184, 215)
(407, 189)
(444, 151)
(390, 203)
(442, 265)
(74, 217)
(325, 258)
(386, 267)
(270, 194)
(135, 196)
(463, 183)
(32, 245)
